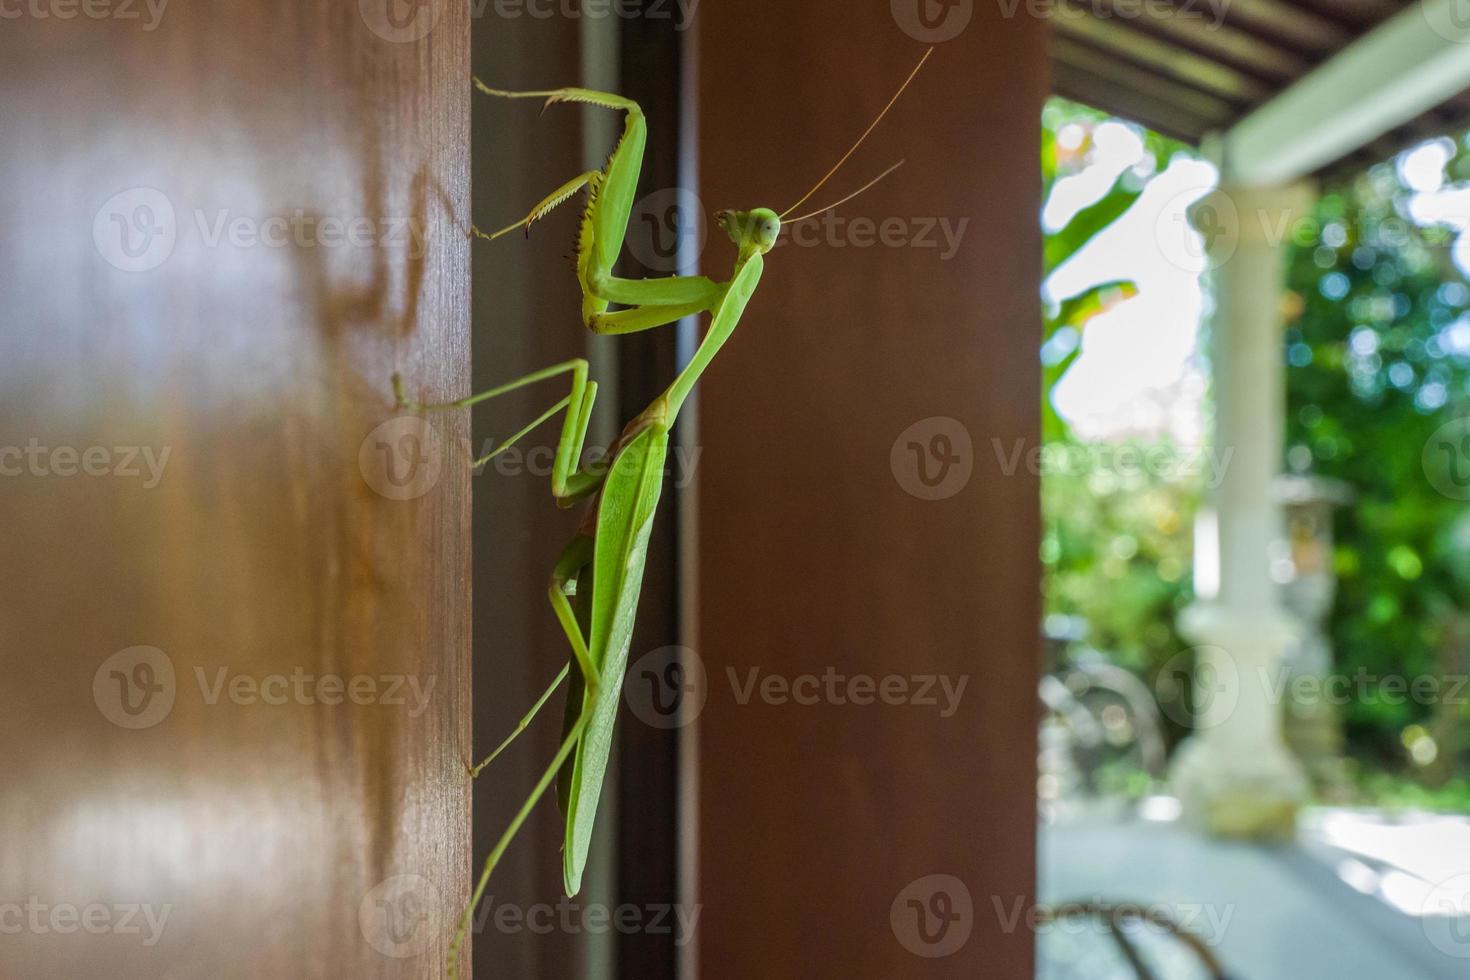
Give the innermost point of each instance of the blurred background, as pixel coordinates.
(1366, 557)
(1064, 572)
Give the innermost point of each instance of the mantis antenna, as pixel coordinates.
(813, 214)
(871, 126)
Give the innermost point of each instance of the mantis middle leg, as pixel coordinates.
(568, 484)
(576, 557)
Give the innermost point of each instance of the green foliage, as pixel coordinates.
(1117, 552)
(1396, 793)
(1379, 358)
(1063, 321)
(1117, 538)
(1378, 353)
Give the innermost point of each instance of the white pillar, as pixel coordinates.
(1235, 776)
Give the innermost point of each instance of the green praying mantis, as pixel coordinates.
(603, 565)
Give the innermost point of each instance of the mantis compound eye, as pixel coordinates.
(766, 227)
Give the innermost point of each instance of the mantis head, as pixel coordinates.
(753, 231)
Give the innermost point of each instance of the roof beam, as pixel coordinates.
(1406, 66)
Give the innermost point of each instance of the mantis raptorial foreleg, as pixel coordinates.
(568, 484)
(605, 224)
(607, 100)
(575, 558)
(638, 318)
(547, 204)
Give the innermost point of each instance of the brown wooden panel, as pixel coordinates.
(815, 819)
(226, 225)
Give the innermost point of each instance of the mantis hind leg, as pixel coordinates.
(475, 770)
(575, 558)
(568, 744)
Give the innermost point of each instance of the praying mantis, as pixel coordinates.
(603, 565)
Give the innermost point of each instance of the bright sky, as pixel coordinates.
(1422, 169)
(1138, 373)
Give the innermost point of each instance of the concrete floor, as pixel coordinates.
(1348, 902)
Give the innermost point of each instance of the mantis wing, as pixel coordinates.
(624, 519)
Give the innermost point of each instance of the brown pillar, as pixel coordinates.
(822, 547)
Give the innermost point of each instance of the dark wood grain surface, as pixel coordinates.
(236, 680)
(817, 820)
